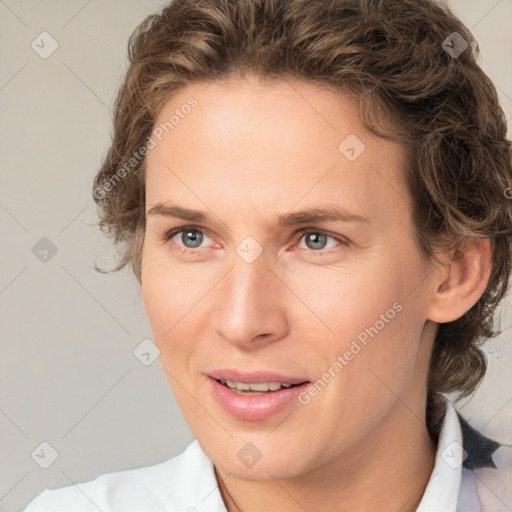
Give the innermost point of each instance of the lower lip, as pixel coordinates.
(255, 407)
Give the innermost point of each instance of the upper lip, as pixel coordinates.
(255, 377)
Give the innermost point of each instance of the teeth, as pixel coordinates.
(260, 386)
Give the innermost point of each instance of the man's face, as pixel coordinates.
(337, 303)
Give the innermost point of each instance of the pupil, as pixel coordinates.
(192, 236)
(313, 237)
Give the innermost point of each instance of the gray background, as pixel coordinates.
(68, 372)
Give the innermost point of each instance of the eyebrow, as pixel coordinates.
(330, 213)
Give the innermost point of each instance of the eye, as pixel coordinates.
(316, 240)
(189, 238)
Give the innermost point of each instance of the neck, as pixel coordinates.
(387, 471)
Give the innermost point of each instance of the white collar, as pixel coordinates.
(441, 493)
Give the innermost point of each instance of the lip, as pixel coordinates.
(255, 407)
(254, 377)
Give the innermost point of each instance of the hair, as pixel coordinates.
(393, 56)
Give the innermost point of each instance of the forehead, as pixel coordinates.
(276, 143)
(241, 112)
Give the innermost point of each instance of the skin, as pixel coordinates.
(249, 152)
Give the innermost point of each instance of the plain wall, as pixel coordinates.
(69, 375)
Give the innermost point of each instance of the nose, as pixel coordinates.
(250, 308)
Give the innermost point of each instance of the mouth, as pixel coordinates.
(255, 396)
(256, 388)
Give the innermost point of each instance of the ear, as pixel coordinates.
(461, 281)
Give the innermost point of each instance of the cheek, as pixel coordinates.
(163, 302)
(172, 300)
(374, 319)
(379, 353)
(349, 299)
(164, 290)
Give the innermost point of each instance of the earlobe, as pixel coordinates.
(462, 281)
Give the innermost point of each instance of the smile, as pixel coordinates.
(255, 388)
(255, 401)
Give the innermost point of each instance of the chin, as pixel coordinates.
(274, 468)
(248, 457)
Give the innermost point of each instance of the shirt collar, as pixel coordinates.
(442, 490)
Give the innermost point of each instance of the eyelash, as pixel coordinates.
(305, 231)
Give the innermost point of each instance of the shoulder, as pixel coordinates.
(157, 487)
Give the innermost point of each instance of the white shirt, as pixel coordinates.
(186, 483)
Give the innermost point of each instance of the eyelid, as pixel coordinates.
(342, 242)
(336, 236)
(173, 232)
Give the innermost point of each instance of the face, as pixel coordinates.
(297, 266)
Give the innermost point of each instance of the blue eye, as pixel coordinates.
(192, 237)
(189, 235)
(195, 237)
(317, 239)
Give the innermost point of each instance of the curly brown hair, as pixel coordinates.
(394, 55)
